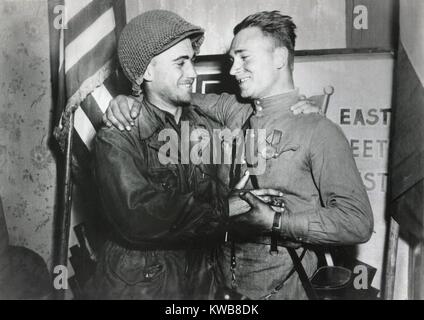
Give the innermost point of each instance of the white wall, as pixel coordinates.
(218, 18)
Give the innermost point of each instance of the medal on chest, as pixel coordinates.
(275, 146)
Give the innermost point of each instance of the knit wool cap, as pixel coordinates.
(148, 35)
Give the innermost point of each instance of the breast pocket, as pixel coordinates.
(164, 178)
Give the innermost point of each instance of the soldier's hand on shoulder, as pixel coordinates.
(305, 106)
(121, 112)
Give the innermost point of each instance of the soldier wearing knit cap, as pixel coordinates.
(150, 34)
(165, 218)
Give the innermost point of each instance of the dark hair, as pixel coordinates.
(273, 24)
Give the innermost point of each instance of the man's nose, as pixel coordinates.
(235, 68)
(191, 71)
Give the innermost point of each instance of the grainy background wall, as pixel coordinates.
(27, 168)
(220, 16)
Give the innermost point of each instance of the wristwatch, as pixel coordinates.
(275, 232)
(276, 225)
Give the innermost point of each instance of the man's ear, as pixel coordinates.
(281, 57)
(148, 74)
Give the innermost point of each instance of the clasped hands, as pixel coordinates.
(251, 211)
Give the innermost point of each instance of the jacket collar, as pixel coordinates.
(279, 103)
(152, 119)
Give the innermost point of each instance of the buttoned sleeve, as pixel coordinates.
(345, 216)
(223, 108)
(138, 211)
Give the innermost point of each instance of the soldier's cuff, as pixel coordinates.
(294, 226)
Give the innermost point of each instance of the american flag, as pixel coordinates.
(83, 39)
(85, 56)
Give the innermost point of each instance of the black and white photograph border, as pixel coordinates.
(359, 61)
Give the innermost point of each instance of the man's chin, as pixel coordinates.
(244, 94)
